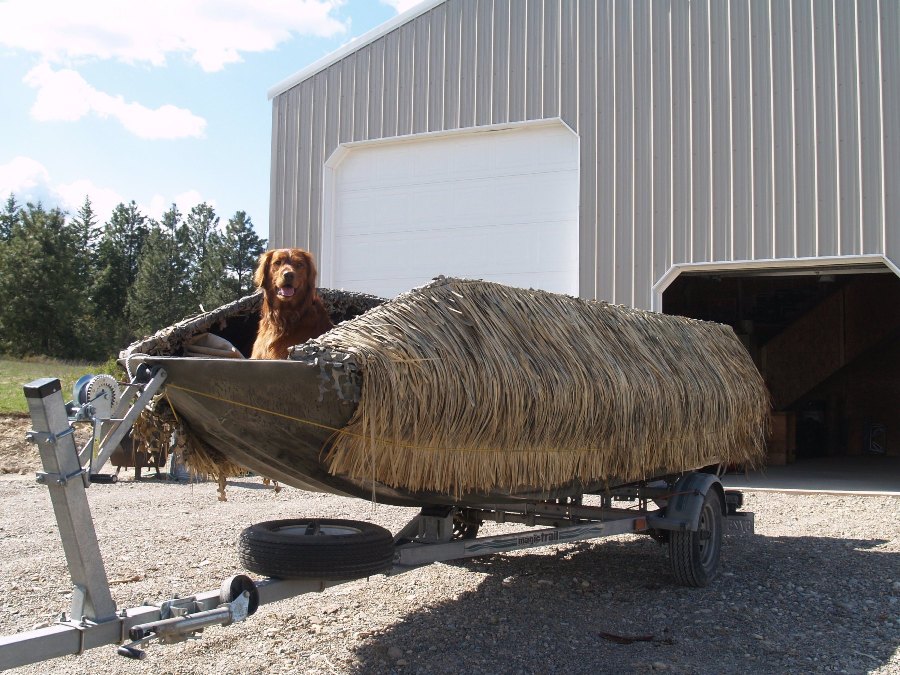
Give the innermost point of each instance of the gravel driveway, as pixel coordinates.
(816, 590)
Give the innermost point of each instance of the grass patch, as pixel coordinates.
(14, 373)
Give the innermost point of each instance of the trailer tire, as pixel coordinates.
(316, 548)
(465, 526)
(695, 555)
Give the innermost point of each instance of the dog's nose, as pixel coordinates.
(288, 277)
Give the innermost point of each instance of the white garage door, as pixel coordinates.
(499, 205)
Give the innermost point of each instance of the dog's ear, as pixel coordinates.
(262, 270)
(311, 272)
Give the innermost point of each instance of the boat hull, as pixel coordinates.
(278, 418)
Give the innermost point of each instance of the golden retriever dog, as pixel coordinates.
(292, 311)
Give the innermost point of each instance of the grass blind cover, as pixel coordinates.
(470, 385)
(242, 316)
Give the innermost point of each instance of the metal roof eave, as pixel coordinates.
(353, 45)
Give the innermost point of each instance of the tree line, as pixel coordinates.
(73, 288)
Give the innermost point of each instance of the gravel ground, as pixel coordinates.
(817, 589)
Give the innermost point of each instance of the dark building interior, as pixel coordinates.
(828, 345)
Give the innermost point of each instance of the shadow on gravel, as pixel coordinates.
(779, 605)
(164, 479)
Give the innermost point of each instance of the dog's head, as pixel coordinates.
(288, 275)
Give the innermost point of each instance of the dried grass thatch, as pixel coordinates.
(201, 459)
(155, 428)
(473, 386)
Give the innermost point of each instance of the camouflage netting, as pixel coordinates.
(237, 322)
(471, 386)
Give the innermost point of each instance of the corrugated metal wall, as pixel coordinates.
(710, 131)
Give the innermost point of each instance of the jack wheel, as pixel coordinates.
(233, 587)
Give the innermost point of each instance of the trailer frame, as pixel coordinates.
(94, 620)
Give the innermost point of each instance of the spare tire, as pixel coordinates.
(316, 548)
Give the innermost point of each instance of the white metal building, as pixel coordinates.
(730, 160)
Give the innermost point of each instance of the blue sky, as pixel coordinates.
(156, 102)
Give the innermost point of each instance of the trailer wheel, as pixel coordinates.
(465, 526)
(695, 555)
(233, 587)
(319, 548)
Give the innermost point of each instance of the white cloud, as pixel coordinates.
(103, 199)
(188, 200)
(65, 95)
(158, 205)
(401, 6)
(30, 181)
(213, 33)
(22, 176)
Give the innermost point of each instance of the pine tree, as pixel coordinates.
(76, 290)
(128, 226)
(9, 218)
(87, 231)
(38, 271)
(242, 248)
(87, 235)
(117, 257)
(205, 254)
(9, 223)
(157, 298)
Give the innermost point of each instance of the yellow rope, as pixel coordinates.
(172, 407)
(253, 407)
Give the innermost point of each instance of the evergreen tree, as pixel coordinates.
(205, 256)
(117, 257)
(87, 234)
(158, 296)
(87, 231)
(128, 226)
(242, 248)
(38, 272)
(9, 218)
(76, 290)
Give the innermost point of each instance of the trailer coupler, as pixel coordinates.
(182, 618)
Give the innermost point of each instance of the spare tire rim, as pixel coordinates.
(315, 529)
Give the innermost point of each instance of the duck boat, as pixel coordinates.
(463, 392)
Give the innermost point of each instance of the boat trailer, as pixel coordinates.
(689, 512)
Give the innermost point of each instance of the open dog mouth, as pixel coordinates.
(285, 291)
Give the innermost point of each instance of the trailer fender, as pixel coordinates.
(682, 510)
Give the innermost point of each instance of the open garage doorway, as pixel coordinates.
(827, 341)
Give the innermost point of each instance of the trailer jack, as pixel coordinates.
(181, 619)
